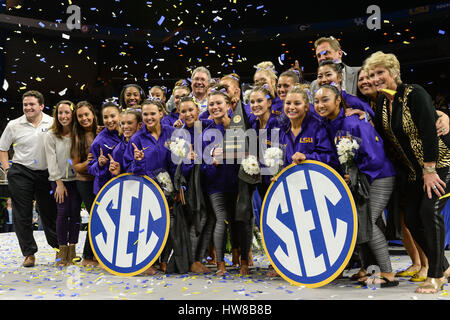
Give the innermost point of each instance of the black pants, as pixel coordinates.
(8, 227)
(86, 191)
(424, 220)
(25, 185)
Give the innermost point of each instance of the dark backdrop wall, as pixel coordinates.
(159, 42)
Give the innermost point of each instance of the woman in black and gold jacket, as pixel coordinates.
(406, 120)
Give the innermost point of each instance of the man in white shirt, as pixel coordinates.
(330, 49)
(28, 175)
(201, 77)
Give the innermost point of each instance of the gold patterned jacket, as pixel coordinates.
(409, 131)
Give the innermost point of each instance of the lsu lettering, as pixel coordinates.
(306, 140)
(308, 224)
(129, 224)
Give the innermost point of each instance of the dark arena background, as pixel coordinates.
(158, 42)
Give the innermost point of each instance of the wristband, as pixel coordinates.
(426, 170)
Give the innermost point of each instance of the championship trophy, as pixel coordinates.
(235, 144)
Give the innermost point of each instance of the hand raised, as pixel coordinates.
(114, 166)
(102, 160)
(138, 154)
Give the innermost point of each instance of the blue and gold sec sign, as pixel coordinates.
(309, 224)
(129, 224)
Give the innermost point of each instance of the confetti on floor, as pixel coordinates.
(47, 282)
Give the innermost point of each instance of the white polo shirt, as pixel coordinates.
(27, 141)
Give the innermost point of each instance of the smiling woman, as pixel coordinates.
(405, 117)
(62, 178)
(103, 145)
(131, 96)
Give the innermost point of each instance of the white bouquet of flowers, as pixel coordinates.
(346, 150)
(165, 182)
(251, 165)
(179, 147)
(273, 158)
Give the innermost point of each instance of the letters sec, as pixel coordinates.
(129, 224)
(309, 224)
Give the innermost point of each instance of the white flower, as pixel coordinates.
(344, 146)
(343, 159)
(355, 145)
(164, 179)
(346, 149)
(251, 165)
(178, 148)
(273, 156)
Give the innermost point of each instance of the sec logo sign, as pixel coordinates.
(309, 224)
(129, 224)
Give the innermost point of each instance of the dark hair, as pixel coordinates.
(162, 88)
(291, 74)
(122, 94)
(36, 94)
(110, 103)
(336, 66)
(337, 94)
(78, 147)
(56, 126)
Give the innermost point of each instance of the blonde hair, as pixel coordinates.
(302, 89)
(268, 68)
(387, 60)
(334, 44)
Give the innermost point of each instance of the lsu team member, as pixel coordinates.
(370, 161)
(147, 154)
(130, 123)
(103, 144)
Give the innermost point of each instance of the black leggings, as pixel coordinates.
(424, 220)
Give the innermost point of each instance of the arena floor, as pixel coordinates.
(47, 282)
